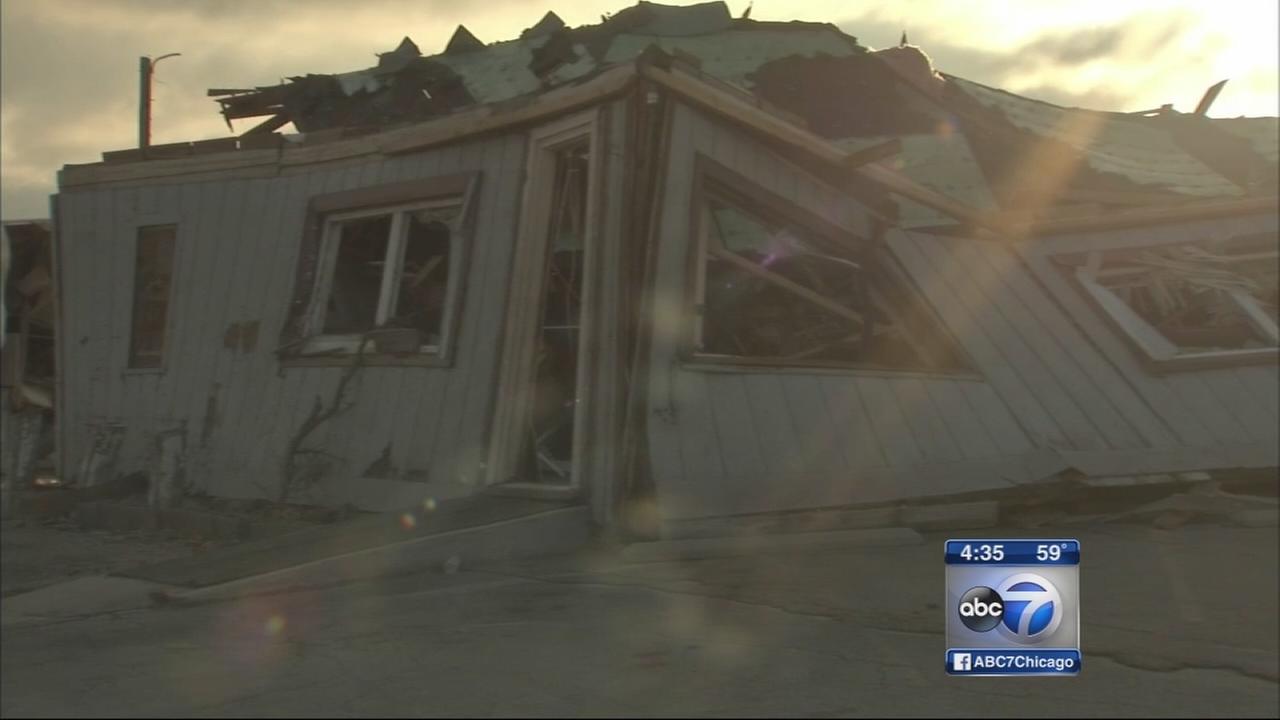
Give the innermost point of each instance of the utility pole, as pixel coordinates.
(146, 68)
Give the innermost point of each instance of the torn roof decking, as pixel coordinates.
(731, 104)
(728, 49)
(983, 148)
(1129, 146)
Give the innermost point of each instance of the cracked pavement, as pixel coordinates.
(1170, 629)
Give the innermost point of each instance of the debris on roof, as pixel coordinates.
(1202, 108)
(977, 144)
(421, 88)
(842, 97)
(736, 53)
(462, 41)
(913, 66)
(397, 59)
(547, 25)
(1109, 142)
(647, 18)
(558, 50)
(545, 55)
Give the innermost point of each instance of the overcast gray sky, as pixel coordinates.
(68, 68)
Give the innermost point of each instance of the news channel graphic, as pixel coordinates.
(1013, 607)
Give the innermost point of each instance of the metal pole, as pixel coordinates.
(144, 102)
(146, 69)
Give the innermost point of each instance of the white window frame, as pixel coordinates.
(319, 342)
(1152, 342)
(524, 307)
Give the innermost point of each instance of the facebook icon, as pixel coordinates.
(961, 662)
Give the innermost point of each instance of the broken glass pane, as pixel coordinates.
(549, 441)
(804, 302)
(1187, 293)
(424, 278)
(357, 275)
(748, 315)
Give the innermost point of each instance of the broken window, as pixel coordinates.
(357, 275)
(772, 291)
(152, 280)
(549, 444)
(1190, 300)
(28, 365)
(387, 278)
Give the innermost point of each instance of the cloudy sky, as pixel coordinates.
(68, 68)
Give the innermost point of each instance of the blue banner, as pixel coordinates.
(1056, 551)
(1012, 661)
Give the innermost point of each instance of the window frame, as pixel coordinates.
(524, 308)
(714, 181)
(303, 342)
(397, 236)
(1157, 351)
(131, 366)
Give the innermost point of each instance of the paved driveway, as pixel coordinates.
(1176, 623)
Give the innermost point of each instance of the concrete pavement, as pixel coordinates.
(467, 532)
(1176, 623)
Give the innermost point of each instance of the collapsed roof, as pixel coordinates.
(404, 86)
(987, 148)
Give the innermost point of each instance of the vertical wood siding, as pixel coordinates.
(1053, 383)
(238, 242)
(1046, 389)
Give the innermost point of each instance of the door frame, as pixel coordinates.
(524, 305)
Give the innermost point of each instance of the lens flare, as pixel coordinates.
(275, 625)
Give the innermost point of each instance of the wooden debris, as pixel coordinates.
(462, 41)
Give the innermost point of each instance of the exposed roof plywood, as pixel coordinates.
(574, 70)
(1110, 143)
(502, 71)
(499, 72)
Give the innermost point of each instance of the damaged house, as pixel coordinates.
(27, 370)
(720, 265)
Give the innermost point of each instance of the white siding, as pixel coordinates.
(1052, 388)
(238, 242)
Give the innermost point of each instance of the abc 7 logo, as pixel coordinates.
(1024, 608)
